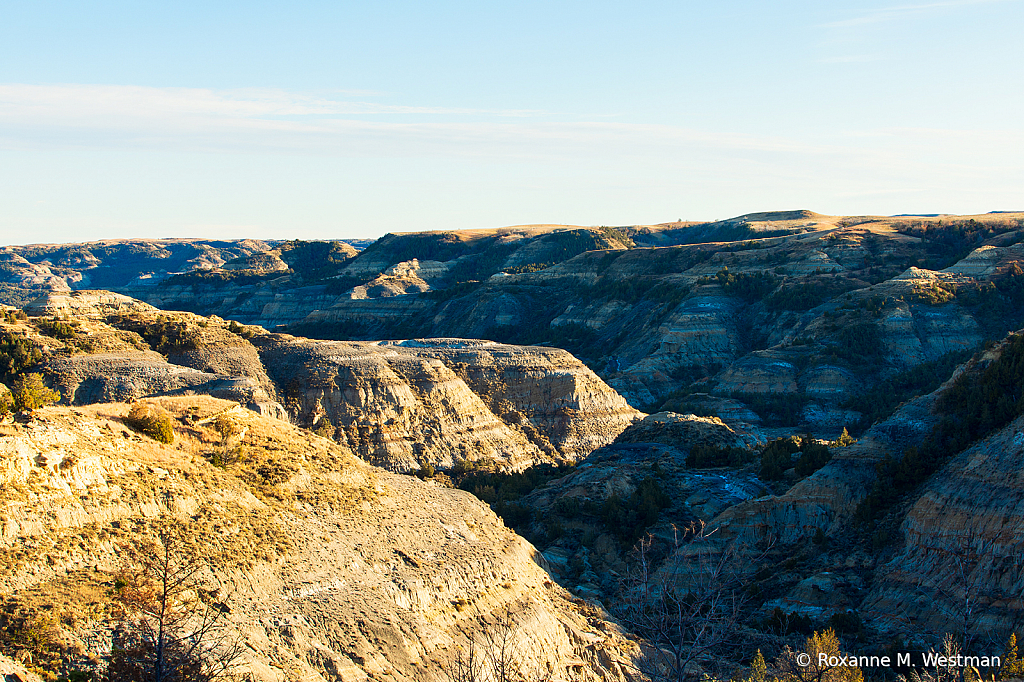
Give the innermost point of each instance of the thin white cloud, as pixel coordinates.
(897, 11)
(851, 59)
(260, 120)
(83, 101)
(266, 122)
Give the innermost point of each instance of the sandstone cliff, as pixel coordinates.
(402, 405)
(406, 404)
(330, 569)
(960, 561)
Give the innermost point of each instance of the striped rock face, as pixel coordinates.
(327, 568)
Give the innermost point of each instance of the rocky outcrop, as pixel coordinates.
(15, 672)
(916, 334)
(399, 404)
(384, 286)
(406, 404)
(587, 544)
(828, 382)
(759, 372)
(93, 361)
(546, 391)
(85, 303)
(126, 377)
(827, 499)
(328, 568)
(121, 377)
(685, 431)
(962, 546)
(987, 261)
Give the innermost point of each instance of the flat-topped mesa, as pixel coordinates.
(400, 404)
(547, 392)
(86, 303)
(406, 404)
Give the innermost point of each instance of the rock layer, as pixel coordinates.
(963, 541)
(399, 404)
(406, 404)
(331, 569)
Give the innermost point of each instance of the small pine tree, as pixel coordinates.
(325, 429)
(226, 427)
(758, 668)
(844, 440)
(1013, 666)
(792, 669)
(30, 393)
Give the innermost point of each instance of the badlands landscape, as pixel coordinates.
(538, 452)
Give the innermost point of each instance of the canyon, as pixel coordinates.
(594, 386)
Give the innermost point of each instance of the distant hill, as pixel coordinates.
(793, 313)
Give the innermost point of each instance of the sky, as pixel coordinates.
(347, 119)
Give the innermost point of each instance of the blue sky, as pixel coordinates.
(345, 119)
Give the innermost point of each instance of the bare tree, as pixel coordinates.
(687, 608)
(467, 666)
(171, 629)
(950, 650)
(499, 656)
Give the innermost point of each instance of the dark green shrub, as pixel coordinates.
(164, 335)
(14, 316)
(58, 329)
(514, 515)
(325, 429)
(807, 295)
(846, 623)
(707, 456)
(17, 354)
(628, 518)
(240, 330)
(30, 393)
(750, 287)
(781, 623)
(786, 409)
(501, 490)
(813, 457)
(858, 343)
(776, 457)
